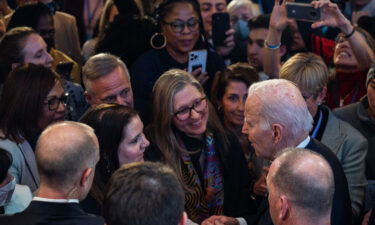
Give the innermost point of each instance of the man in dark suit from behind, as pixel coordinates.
(66, 155)
(146, 193)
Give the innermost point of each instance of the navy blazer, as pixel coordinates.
(52, 214)
(341, 208)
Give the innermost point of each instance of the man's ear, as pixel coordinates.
(183, 219)
(322, 95)
(89, 98)
(284, 207)
(85, 177)
(277, 132)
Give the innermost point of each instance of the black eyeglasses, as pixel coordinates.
(199, 106)
(54, 103)
(178, 26)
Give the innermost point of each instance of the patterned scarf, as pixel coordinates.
(204, 200)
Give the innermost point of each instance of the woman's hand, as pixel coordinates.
(228, 43)
(201, 77)
(279, 20)
(331, 16)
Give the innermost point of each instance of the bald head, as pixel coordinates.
(305, 179)
(280, 101)
(64, 150)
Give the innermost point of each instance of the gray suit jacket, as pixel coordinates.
(24, 165)
(350, 147)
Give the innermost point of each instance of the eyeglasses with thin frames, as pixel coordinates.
(54, 103)
(199, 106)
(178, 26)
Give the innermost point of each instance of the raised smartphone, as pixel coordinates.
(220, 25)
(302, 11)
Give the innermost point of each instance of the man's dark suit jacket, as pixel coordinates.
(341, 209)
(48, 213)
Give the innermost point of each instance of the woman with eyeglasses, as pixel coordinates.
(180, 32)
(32, 99)
(187, 135)
(22, 45)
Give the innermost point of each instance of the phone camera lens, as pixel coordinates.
(313, 14)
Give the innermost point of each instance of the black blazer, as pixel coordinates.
(341, 208)
(48, 213)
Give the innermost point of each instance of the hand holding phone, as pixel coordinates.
(303, 11)
(220, 25)
(197, 59)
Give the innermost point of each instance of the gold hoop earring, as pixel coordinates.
(158, 41)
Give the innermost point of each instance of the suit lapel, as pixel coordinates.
(30, 160)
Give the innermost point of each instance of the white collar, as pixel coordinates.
(39, 199)
(304, 143)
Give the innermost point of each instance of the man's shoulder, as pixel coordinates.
(52, 213)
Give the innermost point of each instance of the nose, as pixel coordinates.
(49, 59)
(245, 128)
(122, 101)
(194, 114)
(185, 29)
(145, 142)
(241, 106)
(61, 108)
(252, 48)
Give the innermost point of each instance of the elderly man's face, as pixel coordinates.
(112, 88)
(260, 138)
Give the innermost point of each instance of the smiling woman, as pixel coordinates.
(121, 140)
(32, 99)
(187, 135)
(180, 31)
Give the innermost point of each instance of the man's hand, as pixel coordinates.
(260, 186)
(220, 220)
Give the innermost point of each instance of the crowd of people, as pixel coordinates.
(275, 126)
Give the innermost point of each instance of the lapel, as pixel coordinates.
(333, 137)
(29, 157)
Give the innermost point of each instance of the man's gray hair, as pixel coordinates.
(100, 65)
(306, 178)
(282, 103)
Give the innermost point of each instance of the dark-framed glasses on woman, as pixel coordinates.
(199, 106)
(178, 26)
(54, 102)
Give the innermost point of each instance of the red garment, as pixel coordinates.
(346, 88)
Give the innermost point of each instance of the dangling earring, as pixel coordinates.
(220, 109)
(158, 41)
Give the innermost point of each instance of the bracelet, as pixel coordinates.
(272, 47)
(350, 34)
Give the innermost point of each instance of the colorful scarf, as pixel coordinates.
(204, 200)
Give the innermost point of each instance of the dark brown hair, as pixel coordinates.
(108, 122)
(22, 100)
(242, 72)
(11, 47)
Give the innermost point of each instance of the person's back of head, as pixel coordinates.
(144, 194)
(302, 182)
(66, 155)
(29, 15)
(281, 102)
(308, 71)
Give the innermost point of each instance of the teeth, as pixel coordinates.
(344, 54)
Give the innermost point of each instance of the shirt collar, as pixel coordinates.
(39, 199)
(304, 143)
